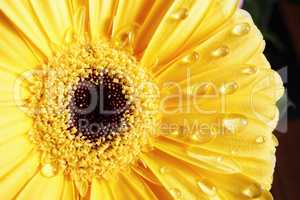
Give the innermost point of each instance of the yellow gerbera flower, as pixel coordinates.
(127, 99)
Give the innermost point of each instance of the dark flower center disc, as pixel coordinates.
(98, 107)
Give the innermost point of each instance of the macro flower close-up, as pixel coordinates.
(135, 99)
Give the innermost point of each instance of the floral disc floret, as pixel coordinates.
(94, 110)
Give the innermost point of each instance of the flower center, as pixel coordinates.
(94, 109)
(99, 107)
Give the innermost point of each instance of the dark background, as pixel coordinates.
(279, 21)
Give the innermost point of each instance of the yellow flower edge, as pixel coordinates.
(184, 42)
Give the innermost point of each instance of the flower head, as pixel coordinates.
(134, 100)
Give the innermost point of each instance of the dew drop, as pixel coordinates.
(275, 140)
(253, 191)
(180, 14)
(191, 58)
(202, 137)
(220, 52)
(206, 89)
(195, 137)
(143, 164)
(249, 70)
(241, 29)
(221, 163)
(234, 123)
(148, 148)
(229, 88)
(164, 170)
(69, 36)
(82, 186)
(48, 170)
(176, 193)
(125, 37)
(219, 159)
(203, 89)
(233, 152)
(207, 187)
(175, 133)
(260, 140)
(190, 90)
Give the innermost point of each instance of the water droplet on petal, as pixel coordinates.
(241, 29)
(148, 148)
(207, 187)
(275, 140)
(219, 159)
(191, 58)
(260, 140)
(176, 193)
(253, 191)
(249, 70)
(126, 36)
(246, 14)
(234, 122)
(180, 14)
(69, 36)
(220, 52)
(194, 137)
(81, 186)
(206, 89)
(48, 170)
(175, 133)
(155, 62)
(164, 170)
(143, 164)
(202, 137)
(219, 162)
(190, 90)
(233, 152)
(228, 88)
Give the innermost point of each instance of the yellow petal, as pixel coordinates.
(142, 169)
(259, 168)
(100, 17)
(8, 80)
(43, 188)
(11, 114)
(15, 54)
(232, 91)
(178, 24)
(177, 179)
(14, 129)
(244, 132)
(79, 16)
(160, 191)
(101, 190)
(13, 152)
(54, 17)
(133, 187)
(201, 158)
(221, 50)
(11, 99)
(238, 106)
(186, 181)
(12, 87)
(69, 190)
(12, 184)
(217, 15)
(149, 26)
(21, 15)
(130, 13)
